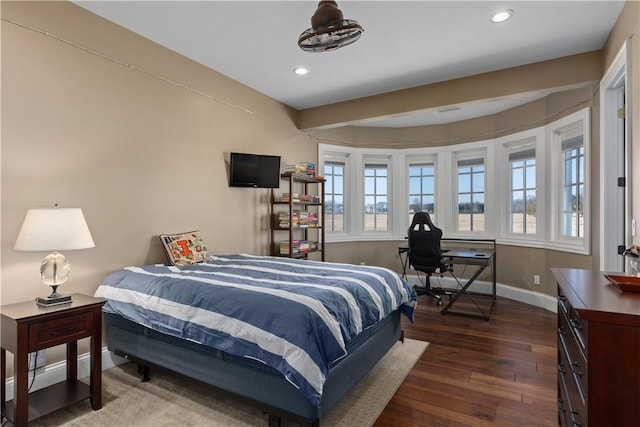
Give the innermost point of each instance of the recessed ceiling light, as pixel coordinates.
(501, 16)
(301, 71)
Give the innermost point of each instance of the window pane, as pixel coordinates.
(464, 222)
(517, 201)
(478, 181)
(464, 203)
(478, 222)
(369, 203)
(334, 197)
(427, 184)
(471, 195)
(414, 185)
(369, 184)
(421, 189)
(517, 180)
(573, 187)
(530, 176)
(414, 204)
(478, 202)
(523, 183)
(464, 183)
(375, 198)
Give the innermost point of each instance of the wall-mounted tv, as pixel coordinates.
(254, 170)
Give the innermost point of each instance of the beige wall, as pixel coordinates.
(140, 155)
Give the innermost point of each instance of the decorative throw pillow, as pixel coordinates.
(184, 248)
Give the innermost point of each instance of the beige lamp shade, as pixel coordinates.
(54, 229)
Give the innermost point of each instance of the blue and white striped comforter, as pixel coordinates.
(296, 316)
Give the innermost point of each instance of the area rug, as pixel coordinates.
(173, 400)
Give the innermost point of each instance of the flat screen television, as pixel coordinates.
(254, 170)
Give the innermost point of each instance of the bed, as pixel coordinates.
(291, 336)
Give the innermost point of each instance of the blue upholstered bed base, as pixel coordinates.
(263, 386)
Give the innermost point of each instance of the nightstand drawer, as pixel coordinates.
(60, 331)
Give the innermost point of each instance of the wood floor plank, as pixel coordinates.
(500, 372)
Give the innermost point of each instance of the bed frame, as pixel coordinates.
(250, 380)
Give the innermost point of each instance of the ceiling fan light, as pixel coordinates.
(329, 30)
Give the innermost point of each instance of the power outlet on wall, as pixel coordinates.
(536, 279)
(37, 359)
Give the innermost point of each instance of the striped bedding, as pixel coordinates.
(296, 316)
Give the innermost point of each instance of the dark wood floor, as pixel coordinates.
(476, 372)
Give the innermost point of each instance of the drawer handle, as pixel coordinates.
(63, 331)
(575, 324)
(561, 406)
(573, 419)
(563, 304)
(576, 368)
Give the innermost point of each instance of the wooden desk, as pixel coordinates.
(28, 327)
(480, 258)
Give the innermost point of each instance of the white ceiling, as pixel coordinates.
(405, 44)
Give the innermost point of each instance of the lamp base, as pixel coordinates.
(53, 300)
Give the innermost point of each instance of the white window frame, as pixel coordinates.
(445, 159)
(561, 130)
(340, 155)
(412, 160)
(521, 141)
(386, 159)
(462, 155)
(339, 160)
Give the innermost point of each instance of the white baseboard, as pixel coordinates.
(57, 372)
(536, 299)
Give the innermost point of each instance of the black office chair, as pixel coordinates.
(425, 254)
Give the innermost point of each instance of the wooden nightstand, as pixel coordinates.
(28, 327)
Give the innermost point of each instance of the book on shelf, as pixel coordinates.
(303, 218)
(284, 220)
(298, 246)
(299, 198)
(298, 218)
(301, 168)
(285, 198)
(313, 219)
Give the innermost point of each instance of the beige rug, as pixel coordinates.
(173, 400)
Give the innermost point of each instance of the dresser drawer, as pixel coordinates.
(60, 331)
(579, 328)
(575, 360)
(564, 406)
(571, 404)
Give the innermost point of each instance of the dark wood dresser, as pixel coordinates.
(598, 351)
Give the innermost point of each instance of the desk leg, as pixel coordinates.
(464, 291)
(21, 379)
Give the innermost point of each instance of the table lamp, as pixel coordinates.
(52, 230)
